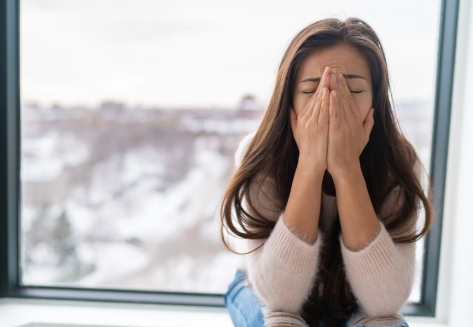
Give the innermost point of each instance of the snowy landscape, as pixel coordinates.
(127, 198)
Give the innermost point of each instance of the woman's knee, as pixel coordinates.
(362, 319)
(281, 319)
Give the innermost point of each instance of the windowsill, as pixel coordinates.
(18, 312)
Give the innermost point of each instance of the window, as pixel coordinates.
(120, 141)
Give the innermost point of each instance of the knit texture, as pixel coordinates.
(281, 272)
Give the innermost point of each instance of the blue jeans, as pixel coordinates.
(245, 308)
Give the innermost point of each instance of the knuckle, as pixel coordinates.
(303, 118)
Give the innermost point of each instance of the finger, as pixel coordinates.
(325, 80)
(316, 110)
(353, 108)
(340, 100)
(343, 99)
(328, 70)
(368, 123)
(324, 111)
(318, 102)
(333, 82)
(309, 105)
(334, 123)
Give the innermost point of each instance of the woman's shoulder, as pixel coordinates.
(242, 148)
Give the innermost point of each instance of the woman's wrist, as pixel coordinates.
(311, 169)
(346, 175)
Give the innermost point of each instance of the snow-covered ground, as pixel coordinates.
(125, 220)
(45, 156)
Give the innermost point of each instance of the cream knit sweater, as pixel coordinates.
(282, 272)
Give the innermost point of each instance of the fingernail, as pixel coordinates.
(340, 75)
(326, 69)
(334, 78)
(334, 93)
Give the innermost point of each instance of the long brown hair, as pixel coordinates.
(387, 161)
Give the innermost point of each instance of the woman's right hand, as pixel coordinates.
(310, 128)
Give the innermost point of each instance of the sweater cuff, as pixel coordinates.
(373, 260)
(289, 249)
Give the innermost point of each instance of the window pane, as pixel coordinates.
(131, 114)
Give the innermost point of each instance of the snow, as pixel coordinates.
(127, 200)
(44, 157)
(114, 260)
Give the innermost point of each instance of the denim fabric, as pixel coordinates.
(245, 308)
(242, 304)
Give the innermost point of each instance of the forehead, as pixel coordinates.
(346, 59)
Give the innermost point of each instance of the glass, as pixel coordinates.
(131, 112)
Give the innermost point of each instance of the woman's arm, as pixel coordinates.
(379, 271)
(303, 206)
(282, 271)
(358, 220)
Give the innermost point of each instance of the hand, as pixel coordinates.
(310, 128)
(348, 132)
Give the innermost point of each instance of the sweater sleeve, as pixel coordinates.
(382, 273)
(281, 272)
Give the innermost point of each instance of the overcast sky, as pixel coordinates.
(200, 54)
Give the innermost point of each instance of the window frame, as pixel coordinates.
(10, 183)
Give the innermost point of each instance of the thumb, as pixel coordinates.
(368, 123)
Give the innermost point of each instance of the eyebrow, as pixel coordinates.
(347, 76)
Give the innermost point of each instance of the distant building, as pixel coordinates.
(31, 106)
(111, 106)
(56, 106)
(248, 103)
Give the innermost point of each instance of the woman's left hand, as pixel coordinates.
(348, 131)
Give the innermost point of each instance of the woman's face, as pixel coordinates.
(347, 60)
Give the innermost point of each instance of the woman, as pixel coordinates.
(327, 191)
